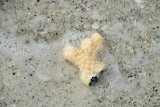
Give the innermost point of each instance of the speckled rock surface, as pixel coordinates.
(34, 73)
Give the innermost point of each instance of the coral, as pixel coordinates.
(85, 58)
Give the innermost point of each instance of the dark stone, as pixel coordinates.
(14, 73)
(93, 80)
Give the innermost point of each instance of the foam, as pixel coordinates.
(155, 49)
(138, 61)
(114, 77)
(75, 37)
(36, 22)
(51, 61)
(48, 56)
(116, 30)
(140, 3)
(15, 48)
(141, 26)
(95, 14)
(9, 18)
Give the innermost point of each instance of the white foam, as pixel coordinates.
(15, 48)
(95, 25)
(155, 49)
(42, 76)
(140, 3)
(42, 53)
(95, 14)
(138, 61)
(36, 22)
(64, 3)
(114, 77)
(5, 16)
(141, 26)
(116, 30)
(75, 37)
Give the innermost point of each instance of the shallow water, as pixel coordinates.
(35, 73)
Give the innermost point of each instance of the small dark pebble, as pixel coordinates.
(93, 80)
(14, 73)
(38, 0)
(26, 41)
(130, 76)
(99, 101)
(31, 74)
